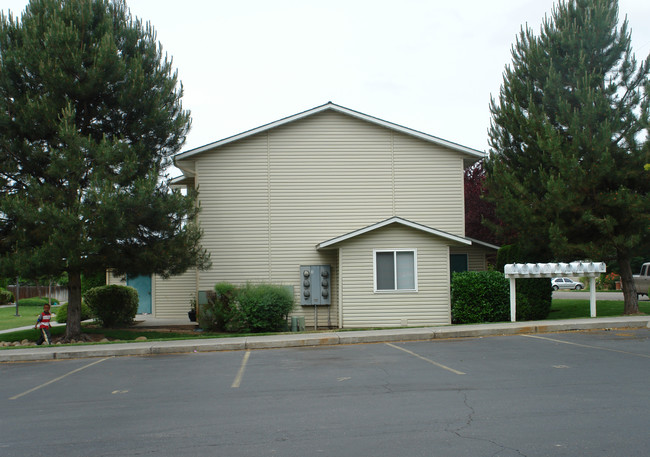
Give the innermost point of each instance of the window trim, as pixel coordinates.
(396, 290)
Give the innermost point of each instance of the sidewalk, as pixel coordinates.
(313, 339)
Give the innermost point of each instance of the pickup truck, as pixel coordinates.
(642, 280)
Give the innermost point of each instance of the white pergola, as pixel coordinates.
(551, 270)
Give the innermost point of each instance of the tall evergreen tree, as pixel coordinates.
(90, 115)
(566, 165)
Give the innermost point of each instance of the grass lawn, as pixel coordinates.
(572, 309)
(28, 316)
(123, 335)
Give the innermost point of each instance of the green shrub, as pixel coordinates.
(113, 305)
(479, 296)
(37, 301)
(221, 313)
(534, 295)
(89, 281)
(6, 297)
(62, 313)
(265, 307)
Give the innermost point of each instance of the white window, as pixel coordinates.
(395, 270)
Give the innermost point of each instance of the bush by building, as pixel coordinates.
(265, 307)
(252, 307)
(221, 313)
(479, 296)
(113, 305)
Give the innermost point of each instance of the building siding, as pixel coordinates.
(267, 201)
(363, 307)
(170, 298)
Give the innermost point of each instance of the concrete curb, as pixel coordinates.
(34, 354)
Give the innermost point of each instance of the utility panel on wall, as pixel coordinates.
(315, 285)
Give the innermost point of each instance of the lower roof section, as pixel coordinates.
(393, 220)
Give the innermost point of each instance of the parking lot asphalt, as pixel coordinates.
(537, 395)
(305, 339)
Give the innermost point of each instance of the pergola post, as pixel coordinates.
(513, 300)
(592, 295)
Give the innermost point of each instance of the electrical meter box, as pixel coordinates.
(315, 285)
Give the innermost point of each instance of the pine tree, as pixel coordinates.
(90, 114)
(566, 165)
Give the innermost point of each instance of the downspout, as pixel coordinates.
(268, 207)
(340, 281)
(392, 166)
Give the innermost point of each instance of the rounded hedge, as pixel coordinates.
(479, 296)
(265, 307)
(62, 313)
(113, 305)
(37, 301)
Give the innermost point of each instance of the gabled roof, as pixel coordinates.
(394, 220)
(473, 153)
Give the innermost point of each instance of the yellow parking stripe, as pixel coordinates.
(237, 382)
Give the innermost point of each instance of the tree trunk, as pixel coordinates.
(630, 297)
(73, 325)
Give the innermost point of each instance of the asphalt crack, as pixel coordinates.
(458, 431)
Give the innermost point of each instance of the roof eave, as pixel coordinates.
(484, 244)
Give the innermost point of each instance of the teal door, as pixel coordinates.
(458, 263)
(143, 285)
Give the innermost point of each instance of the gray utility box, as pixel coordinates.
(315, 285)
(297, 323)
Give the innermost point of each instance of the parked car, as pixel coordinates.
(642, 280)
(566, 283)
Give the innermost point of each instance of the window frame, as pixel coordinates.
(395, 272)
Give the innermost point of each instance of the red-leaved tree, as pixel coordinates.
(480, 214)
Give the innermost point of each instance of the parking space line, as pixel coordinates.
(15, 397)
(426, 360)
(646, 356)
(240, 374)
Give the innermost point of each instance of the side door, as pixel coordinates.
(143, 285)
(458, 263)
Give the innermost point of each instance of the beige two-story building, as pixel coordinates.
(362, 218)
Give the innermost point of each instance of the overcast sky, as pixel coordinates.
(429, 65)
